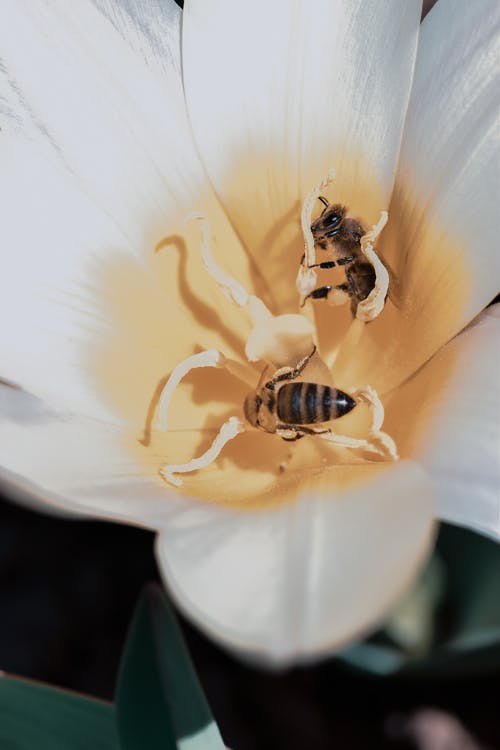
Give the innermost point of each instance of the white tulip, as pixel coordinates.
(105, 149)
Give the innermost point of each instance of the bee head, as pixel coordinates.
(251, 407)
(329, 220)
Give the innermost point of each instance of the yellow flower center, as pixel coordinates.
(294, 397)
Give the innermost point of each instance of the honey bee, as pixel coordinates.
(340, 237)
(287, 408)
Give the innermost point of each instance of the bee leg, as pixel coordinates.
(345, 260)
(323, 292)
(300, 430)
(312, 431)
(329, 263)
(289, 373)
(290, 433)
(320, 293)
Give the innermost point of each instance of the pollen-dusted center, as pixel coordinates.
(294, 396)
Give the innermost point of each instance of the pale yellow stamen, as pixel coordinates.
(387, 447)
(227, 432)
(273, 338)
(231, 288)
(209, 358)
(344, 441)
(307, 276)
(370, 396)
(376, 436)
(376, 441)
(373, 305)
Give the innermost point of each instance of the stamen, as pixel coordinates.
(377, 442)
(387, 446)
(370, 396)
(274, 338)
(227, 432)
(231, 288)
(343, 441)
(209, 358)
(373, 305)
(307, 276)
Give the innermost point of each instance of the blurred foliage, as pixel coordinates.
(38, 716)
(159, 701)
(450, 622)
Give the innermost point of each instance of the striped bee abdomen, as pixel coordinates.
(310, 403)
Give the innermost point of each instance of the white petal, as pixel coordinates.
(66, 461)
(77, 84)
(98, 168)
(450, 154)
(69, 463)
(441, 243)
(450, 411)
(279, 93)
(289, 580)
(306, 576)
(450, 145)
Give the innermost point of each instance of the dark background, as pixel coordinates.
(67, 593)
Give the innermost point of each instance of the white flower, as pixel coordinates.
(103, 293)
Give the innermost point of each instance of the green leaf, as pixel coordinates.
(463, 626)
(159, 701)
(473, 565)
(37, 716)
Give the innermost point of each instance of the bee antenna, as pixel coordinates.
(323, 200)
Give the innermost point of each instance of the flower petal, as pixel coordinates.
(446, 418)
(441, 242)
(279, 93)
(306, 576)
(74, 464)
(291, 578)
(98, 171)
(86, 97)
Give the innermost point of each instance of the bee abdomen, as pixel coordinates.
(310, 403)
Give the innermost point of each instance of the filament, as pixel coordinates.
(209, 358)
(227, 432)
(307, 276)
